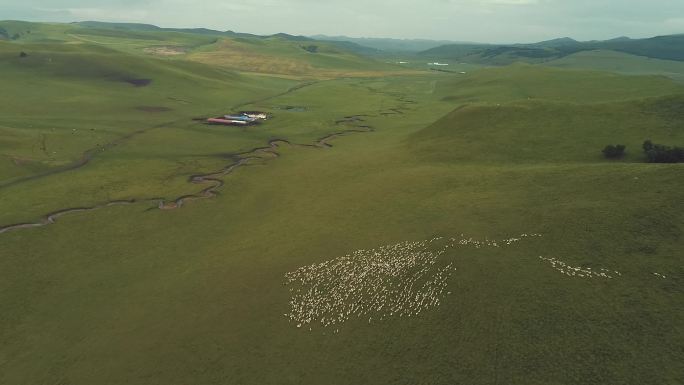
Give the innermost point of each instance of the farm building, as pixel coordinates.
(255, 114)
(246, 118)
(227, 122)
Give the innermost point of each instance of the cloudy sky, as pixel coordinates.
(498, 21)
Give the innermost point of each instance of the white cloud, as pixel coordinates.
(677, 23)
(512, 2)
(109, 14)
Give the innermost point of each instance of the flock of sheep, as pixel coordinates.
(580, 272)
(492, 243)
(400, 280)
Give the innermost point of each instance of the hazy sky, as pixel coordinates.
(463, 20)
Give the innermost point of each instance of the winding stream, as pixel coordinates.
(213, 181)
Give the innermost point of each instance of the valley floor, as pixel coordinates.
(431, 229)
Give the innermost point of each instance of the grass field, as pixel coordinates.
(200, 295)
(283, 55)
(622, 63)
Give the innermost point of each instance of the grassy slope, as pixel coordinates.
(35, 32)
(286, 57)
(529, 131)
(63, 101)
(75, 87)
(669, 47)
(621, 63)
(528, 114)
(525, 82)
(196, 296)
(279, 54)
(88, 102)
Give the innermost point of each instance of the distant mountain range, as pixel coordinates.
(669, 47)
(153, 28)
(390, 45)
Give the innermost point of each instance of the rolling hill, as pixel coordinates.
(536, 115)
(280, 54)
(388, 45)
(660, 47)
(619, 62)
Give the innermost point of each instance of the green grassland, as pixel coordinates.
(621, 63)
(67, 104)
(287, 57)
(133, 294)
(280, 54)
(539, 114)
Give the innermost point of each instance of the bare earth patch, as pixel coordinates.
(165, 51)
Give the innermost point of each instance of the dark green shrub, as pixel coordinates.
(647, 146)
(613, 152)
(658, 153)
(310, 48)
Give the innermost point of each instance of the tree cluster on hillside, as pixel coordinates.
(659, 153)
(5, 35)
(614, 152)
(310, 48)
